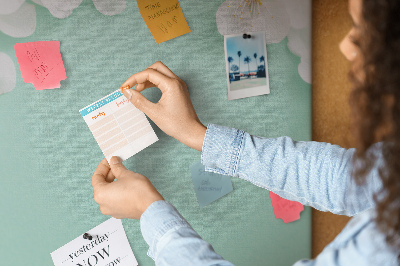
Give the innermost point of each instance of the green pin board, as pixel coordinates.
(48, 155)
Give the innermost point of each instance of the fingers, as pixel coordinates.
(100, 174)
(142, 86)
(140, 102)
(159, 80)
(156, 75)
(110, 177)
(117, 167)
(160, 67)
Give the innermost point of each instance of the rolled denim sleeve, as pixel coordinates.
(172, 241)
(313, 173)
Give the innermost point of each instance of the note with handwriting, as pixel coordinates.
(41, 63)
(284, 209)
(118, 126)
(209, 186)
(108, 246)
(164, 18)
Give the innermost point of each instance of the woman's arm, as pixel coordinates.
(312, 173)
(124, 194)
(315, 174)
(172, 241)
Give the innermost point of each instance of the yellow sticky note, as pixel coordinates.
(164, 18)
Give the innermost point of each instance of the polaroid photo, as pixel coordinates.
(246, 65)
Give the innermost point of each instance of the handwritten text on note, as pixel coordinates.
(209, 186)
(41, 63)
(118, 126)
(164, 18)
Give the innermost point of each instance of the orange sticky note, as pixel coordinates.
(164, 18)
(41, 63)
(284, 209)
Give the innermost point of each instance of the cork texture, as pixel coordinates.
(331, 90)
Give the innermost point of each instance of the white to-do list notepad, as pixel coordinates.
(118, 126)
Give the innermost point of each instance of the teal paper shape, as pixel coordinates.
(209, 186)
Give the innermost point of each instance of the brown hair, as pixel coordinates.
(375, 101)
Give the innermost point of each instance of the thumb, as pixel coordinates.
(138, 100)
(117, 167)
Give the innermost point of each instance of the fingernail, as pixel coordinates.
(128, 93)
(115, 160)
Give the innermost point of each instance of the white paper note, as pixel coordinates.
(118, 126)
(108, 247)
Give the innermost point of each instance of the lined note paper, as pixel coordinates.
(118, 126)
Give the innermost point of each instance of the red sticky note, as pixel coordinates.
(284, 209)
(41, 63)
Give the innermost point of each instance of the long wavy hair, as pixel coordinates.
(375, 103)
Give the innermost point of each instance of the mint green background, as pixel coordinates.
(48, 155)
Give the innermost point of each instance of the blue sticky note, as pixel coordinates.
(209, 186)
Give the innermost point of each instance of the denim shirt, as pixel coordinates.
(312, 173)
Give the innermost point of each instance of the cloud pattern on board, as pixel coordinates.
(278, 19)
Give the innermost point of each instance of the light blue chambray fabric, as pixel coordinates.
(172, 240)
(315, 174)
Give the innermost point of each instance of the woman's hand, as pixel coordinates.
(173, 113)
(128, 196)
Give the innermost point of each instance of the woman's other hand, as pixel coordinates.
(128, 196)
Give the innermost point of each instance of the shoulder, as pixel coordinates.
(360, 243)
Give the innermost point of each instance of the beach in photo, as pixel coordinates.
(246, 65)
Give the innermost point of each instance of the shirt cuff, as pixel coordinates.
(158, 219)
(222, 148)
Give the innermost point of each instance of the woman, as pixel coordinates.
(363, 183)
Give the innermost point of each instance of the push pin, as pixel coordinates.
(246, 36)
(87, 236)
(125, 88)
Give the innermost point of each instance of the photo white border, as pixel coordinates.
(248, 92)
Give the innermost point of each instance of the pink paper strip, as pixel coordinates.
(41, 63)
(284, 209)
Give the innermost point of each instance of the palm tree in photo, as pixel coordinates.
(230, 60)
(239, 55)
(255, 60)
(262, 59)
(247, 60)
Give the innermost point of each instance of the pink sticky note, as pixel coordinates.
(41, 63)
(284, 209)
